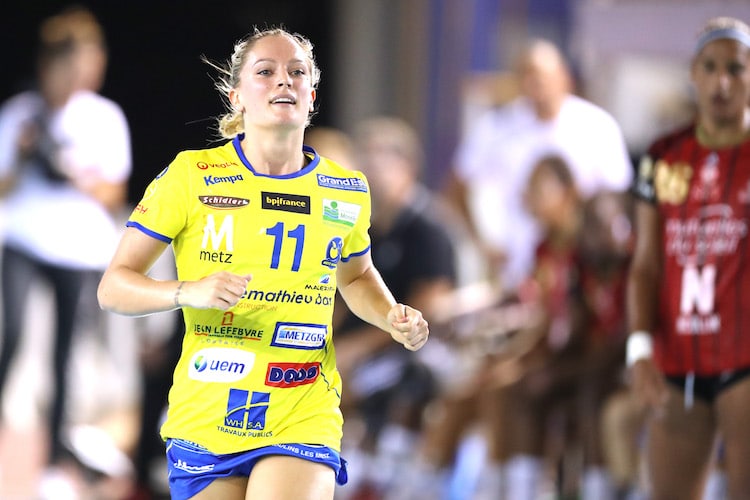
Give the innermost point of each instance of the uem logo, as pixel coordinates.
(246, 411)
(218, 364)
(291, 374)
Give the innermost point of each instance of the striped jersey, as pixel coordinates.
(703, 197)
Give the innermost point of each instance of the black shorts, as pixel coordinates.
(707, 388)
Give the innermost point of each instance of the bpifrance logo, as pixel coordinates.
(291, 374)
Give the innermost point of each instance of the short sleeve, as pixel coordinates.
(163, 209)
(643, 183)
(357, 241)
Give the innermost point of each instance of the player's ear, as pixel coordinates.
(313, 95)
(236, 101)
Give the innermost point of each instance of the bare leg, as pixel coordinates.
(733, 409)
(289, 478)
(679, 448)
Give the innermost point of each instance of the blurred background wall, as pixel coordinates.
(432, 62)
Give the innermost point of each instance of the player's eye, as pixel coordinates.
(709, 66)
(736, 69)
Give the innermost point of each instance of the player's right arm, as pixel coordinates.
(126, 289)
(642, 299)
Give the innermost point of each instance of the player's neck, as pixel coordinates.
(722, 135)
(277, 155)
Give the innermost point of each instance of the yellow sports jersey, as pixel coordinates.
(264, 371)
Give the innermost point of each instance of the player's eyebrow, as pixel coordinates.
(268, 59)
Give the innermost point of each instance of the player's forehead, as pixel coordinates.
(724, 52)
(276, 48)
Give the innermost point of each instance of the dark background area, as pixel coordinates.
(155, 72)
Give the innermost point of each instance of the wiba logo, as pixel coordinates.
(218, 364)
(291, 374)
(246, 410)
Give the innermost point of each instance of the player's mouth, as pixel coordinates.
(284, 99)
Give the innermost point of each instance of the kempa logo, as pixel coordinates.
(212, 179)
(218, 364)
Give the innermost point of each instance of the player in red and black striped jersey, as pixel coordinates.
(689, 285)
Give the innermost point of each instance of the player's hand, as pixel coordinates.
(221, 290)
(408, 327)
(648, 384)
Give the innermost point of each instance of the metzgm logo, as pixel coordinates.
(299, 336)
(291, 374)
(246, 410)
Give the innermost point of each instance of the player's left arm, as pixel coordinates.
(367, 296)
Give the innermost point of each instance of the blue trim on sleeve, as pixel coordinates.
(145, 230)
(355, 254)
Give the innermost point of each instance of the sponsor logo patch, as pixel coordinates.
(223, 202)
(296, 203)
(299, 336)
(343, 183)
(291, 374)
(218, 364)
(340, 212)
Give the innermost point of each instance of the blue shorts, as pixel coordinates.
(191, 467)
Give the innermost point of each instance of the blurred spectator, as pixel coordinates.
(494, 160)
(532, 389)
(332, 143)
(64, 163)
(385, 389)
(607, 421)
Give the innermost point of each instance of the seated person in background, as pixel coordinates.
(386, 390)
(530, 389)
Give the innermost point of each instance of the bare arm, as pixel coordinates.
(642, 296)
(367, 296)
(644, 270)
(126, 289)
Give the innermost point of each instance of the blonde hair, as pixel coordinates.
(231, 123)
